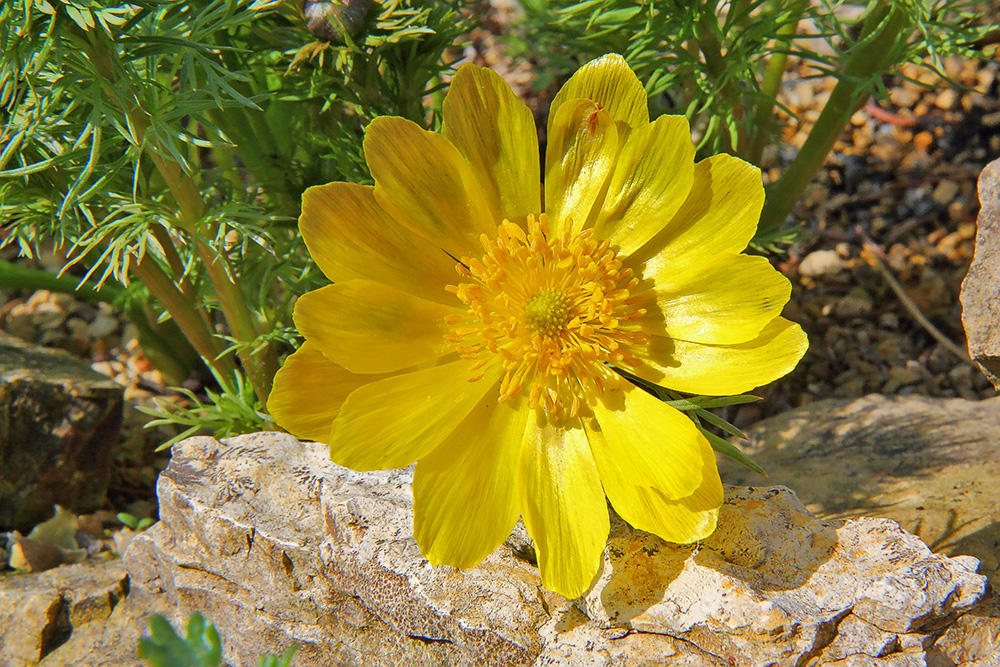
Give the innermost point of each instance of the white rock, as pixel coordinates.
(821, 263)
(275, 544)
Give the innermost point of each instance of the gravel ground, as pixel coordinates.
(896, 202)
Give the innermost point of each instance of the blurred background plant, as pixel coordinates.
(162, 146)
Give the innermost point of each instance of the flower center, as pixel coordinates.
(546, 313)
(554, 312)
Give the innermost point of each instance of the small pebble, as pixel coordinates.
(947, 99)
(945, 192)
(855, 303)
(821, 263)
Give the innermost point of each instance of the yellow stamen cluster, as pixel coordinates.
(551, 310)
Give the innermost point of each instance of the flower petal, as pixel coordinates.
(350, 236)
(308, 392)
(612, 84)
(725, 300)
(563, 507)
(579, 159)
(367, 327)
(393, 422)
(495, 131)
(720, 214)
(723, 370)
(465, 491)
(653, 176)
(424, 182)
(645, 442)
(682, 520)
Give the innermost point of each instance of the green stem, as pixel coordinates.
(261, 365)
(715, 63)
(15, 276)
(190, 321)
(771, 83)
(877, 45)
(164, 345)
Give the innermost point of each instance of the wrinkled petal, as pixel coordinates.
(465, 491)
(645, 442)
(367, 327)
(495, 131)
(579, 159)
(393, 422)
(308, 392)
(349, 236)
(723, 370)
(720, 214)
(652, 178)
(682, 520)
(426, 184)
(727, 299)
(611, 83)
(563, 507)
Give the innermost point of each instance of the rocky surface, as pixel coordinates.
(275, 544)
(930, 464)
(981, 288)
(40, 613)
(59, 425)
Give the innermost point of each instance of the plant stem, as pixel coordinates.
(15, 276)
(764, 116)
(715, 63)
(261, 365)
(187, 318)
(174, 261)
(877, 43)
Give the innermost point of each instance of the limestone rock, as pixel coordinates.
(932, 465)
(981, 288)
(275, 544)
(59, 424)
(40, 612)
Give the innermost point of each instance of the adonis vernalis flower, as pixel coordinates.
(475, 325)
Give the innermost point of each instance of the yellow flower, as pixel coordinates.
(499, 380)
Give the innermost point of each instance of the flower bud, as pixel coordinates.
(336, 20)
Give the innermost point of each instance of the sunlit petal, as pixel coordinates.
(725, 300)
(653, 445)
(579, 159)
(306, 376)
(723, 370)
(350, 236)
(609, 82)
(652, 177)
(563, 507)
(465, 498)
(367, 327)
(393, 422)
(426, 184)
(720, 214)
(679, 520)
(495, 131)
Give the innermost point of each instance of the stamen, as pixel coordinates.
(549, 311)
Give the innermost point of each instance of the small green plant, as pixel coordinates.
(200, 647)
(134, 523)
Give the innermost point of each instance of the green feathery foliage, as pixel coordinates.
(165, 145)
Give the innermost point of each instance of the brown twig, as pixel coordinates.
(878, 261)
(886, 116)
